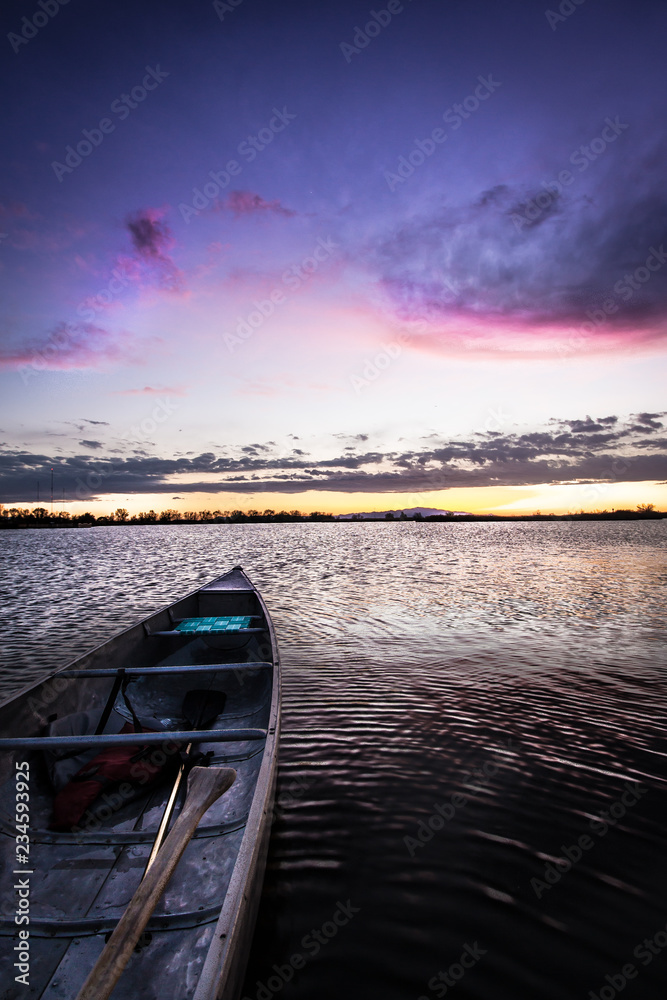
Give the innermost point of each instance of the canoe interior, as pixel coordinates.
(82, 882)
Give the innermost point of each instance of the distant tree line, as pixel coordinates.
(40, 517)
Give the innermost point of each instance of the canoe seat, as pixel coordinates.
(220, 625)
(226, 623)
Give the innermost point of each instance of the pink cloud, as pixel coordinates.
(16, 210)
(150, 390)
(247, 203)
(152, 240)
(496, 338)
(27, 233)
(77, 346)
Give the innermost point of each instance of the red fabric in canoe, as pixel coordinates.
(114, 777)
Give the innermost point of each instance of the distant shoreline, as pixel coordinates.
(90, 521)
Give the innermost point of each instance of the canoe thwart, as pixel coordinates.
(139, 739)
(189, 669)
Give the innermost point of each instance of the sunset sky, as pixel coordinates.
(333, 257)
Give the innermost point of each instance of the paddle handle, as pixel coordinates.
(205, 785)
(166, 816)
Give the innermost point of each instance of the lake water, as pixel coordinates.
(462, 703)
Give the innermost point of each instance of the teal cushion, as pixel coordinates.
(227, 624)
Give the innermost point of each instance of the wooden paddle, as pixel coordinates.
(200, 708)
(205, 785)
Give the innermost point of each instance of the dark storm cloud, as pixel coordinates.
(577, 450)
(575, 254)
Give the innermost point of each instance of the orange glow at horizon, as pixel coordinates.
(546, 498)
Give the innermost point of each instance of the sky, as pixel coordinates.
(336, 258)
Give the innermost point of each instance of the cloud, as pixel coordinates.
(150, 236)
(589, 426)
(648, 421)
(16, 210)
(152, 240)
(91, 444)
(150, 390)
(581, 264)
(73, 346)
(28, 231)
(566, 451)
(247, 203)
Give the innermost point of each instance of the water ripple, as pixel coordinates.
(462, 704)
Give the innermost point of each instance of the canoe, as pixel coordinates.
(218, 642)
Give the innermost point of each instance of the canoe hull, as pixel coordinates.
(203, 927)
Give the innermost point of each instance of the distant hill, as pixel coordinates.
(379, 515)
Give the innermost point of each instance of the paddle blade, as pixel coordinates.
(205, 785)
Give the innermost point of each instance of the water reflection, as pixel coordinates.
(415, 657)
